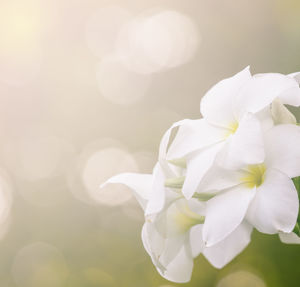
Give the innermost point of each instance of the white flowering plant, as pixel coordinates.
(235, 169)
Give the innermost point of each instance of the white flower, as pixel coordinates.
(164, 233)
(173, 236)
(223, 175)
(235, 113)
(263, 194)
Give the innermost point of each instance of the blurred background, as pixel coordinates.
(87, 89)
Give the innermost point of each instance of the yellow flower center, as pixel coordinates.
(231, 128)
(185, 218)
(254, 175)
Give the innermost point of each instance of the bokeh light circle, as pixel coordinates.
(130, 49)
(99, 167)
(37, 156)
(171, 38)
(156, 42)
(39, 164)
(241, 278)
(39, 264)
(99, 161)
(98, 277)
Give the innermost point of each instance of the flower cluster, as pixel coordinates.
(222, 175)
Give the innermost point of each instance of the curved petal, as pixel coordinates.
(260, 91)
(282, 144)
(223, 252)
(291, 96)
(172, 247)
(153, 244)
(194, 135)
(163, 146)
(196, 241)
(295, 76)
(197, 166)
(181, 268)
(141, 184)
(280, 114)
(171, 256)
(289, 238)
(244, 147)
(225, 212)
(157, 195)
(179, 216)
(275, 206)
(161, 249)
(265, 118)
(216, 105)
(218, 179)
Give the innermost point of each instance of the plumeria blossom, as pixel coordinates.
(172, 233)
(235, 169)
(173, 236)
(236, 112)
(263, 193)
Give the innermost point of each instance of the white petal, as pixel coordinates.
(265, 118)
(222, 253)
(141, 185)
(260, 91)
(172, 247)
(171, 257)
(196, 241)
(296, 76)
(216, 105)
(225, 212)
(196, 205)
(291, 96)
(162, 157)
(179, 217)
(282, 144)
(181, 268)
(244, 147)
(194, 135)
(280, 114)
(218, 179)
(153, 244)
(289, 238)
(197, 166)
(161, 249)
(157, 195)
(275, 206)
(172, 244)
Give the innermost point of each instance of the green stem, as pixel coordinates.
(204, 196)
(180, 162)
(176, 182)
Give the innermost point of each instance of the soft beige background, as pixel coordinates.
(87, 89)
